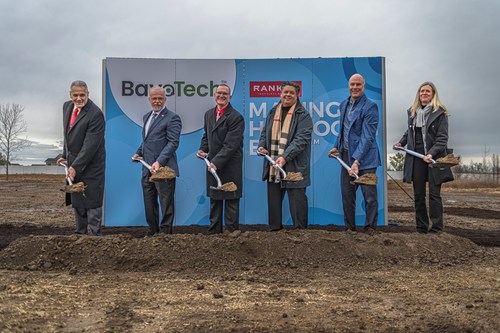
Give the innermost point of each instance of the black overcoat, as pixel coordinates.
(85, 151)
(436, 142)
(223, 141)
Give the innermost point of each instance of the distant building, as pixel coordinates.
(52, 160)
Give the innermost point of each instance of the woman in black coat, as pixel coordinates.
(427, 134)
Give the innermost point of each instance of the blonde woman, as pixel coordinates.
(427, 134)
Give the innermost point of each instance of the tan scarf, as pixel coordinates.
(279, 138)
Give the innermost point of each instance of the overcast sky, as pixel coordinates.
(44, 45)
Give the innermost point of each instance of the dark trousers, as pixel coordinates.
(348, 190)
(298, 206)
(164, 191)
(231, 211)
(88, 220)
(420, 178)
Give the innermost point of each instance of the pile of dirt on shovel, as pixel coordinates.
(250, 251)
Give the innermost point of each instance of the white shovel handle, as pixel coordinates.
(212, 171)
(70, 182)
(145, 164)
(345, 165)
(414, 153)
(274, 164)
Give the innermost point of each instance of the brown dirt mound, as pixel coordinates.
(162, 173)
(448, 160)
(367, 179)
(229, 187)
(212, 255)
(294, 176)
(75, 188)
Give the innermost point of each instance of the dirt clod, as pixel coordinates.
(294, 176)
(75, 188)
(229, 187)
(367, 179)
(163, 173)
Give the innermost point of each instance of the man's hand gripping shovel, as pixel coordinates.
(227, 187)
(163, 173)
(290, 176)
(366, 179)
(71, 188)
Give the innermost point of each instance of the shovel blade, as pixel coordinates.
(367, 179)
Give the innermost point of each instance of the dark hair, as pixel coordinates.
(292, 84)
(224, 85)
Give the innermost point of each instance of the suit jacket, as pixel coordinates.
(84, 150)
(298, 149)
(362, 135)
(436, 141)
(162, 140)
(223, 141)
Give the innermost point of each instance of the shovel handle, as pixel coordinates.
(212, 171)
(145, 164)
(274, 164)
(414, 153)
(70, 182)
(344, 165)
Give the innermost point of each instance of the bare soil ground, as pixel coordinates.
(318, 280)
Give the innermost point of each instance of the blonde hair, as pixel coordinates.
(435, 102)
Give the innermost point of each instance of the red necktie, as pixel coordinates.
(73, 117)
(218, 115)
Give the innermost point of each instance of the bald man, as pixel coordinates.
(357, 146)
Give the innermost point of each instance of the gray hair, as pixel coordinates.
(79, 83)
(156, 87)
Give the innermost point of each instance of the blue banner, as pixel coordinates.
(189, 86)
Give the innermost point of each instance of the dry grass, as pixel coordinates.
(40, 178)
(473, 184)
(458, 184)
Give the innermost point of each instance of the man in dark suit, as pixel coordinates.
(222, 143)
(357, 146)
(160, 140)
(84, 154)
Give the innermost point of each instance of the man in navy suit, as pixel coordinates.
(357, 146)
(160, 140)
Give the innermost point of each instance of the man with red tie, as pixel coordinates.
(85, 156)
(222, 143)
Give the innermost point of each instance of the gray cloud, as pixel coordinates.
(48, 44)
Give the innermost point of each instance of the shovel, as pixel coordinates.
(72, 188)
(227, 187)
(366, 179)
(447, 161)
(162, 173)
(291, 176)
